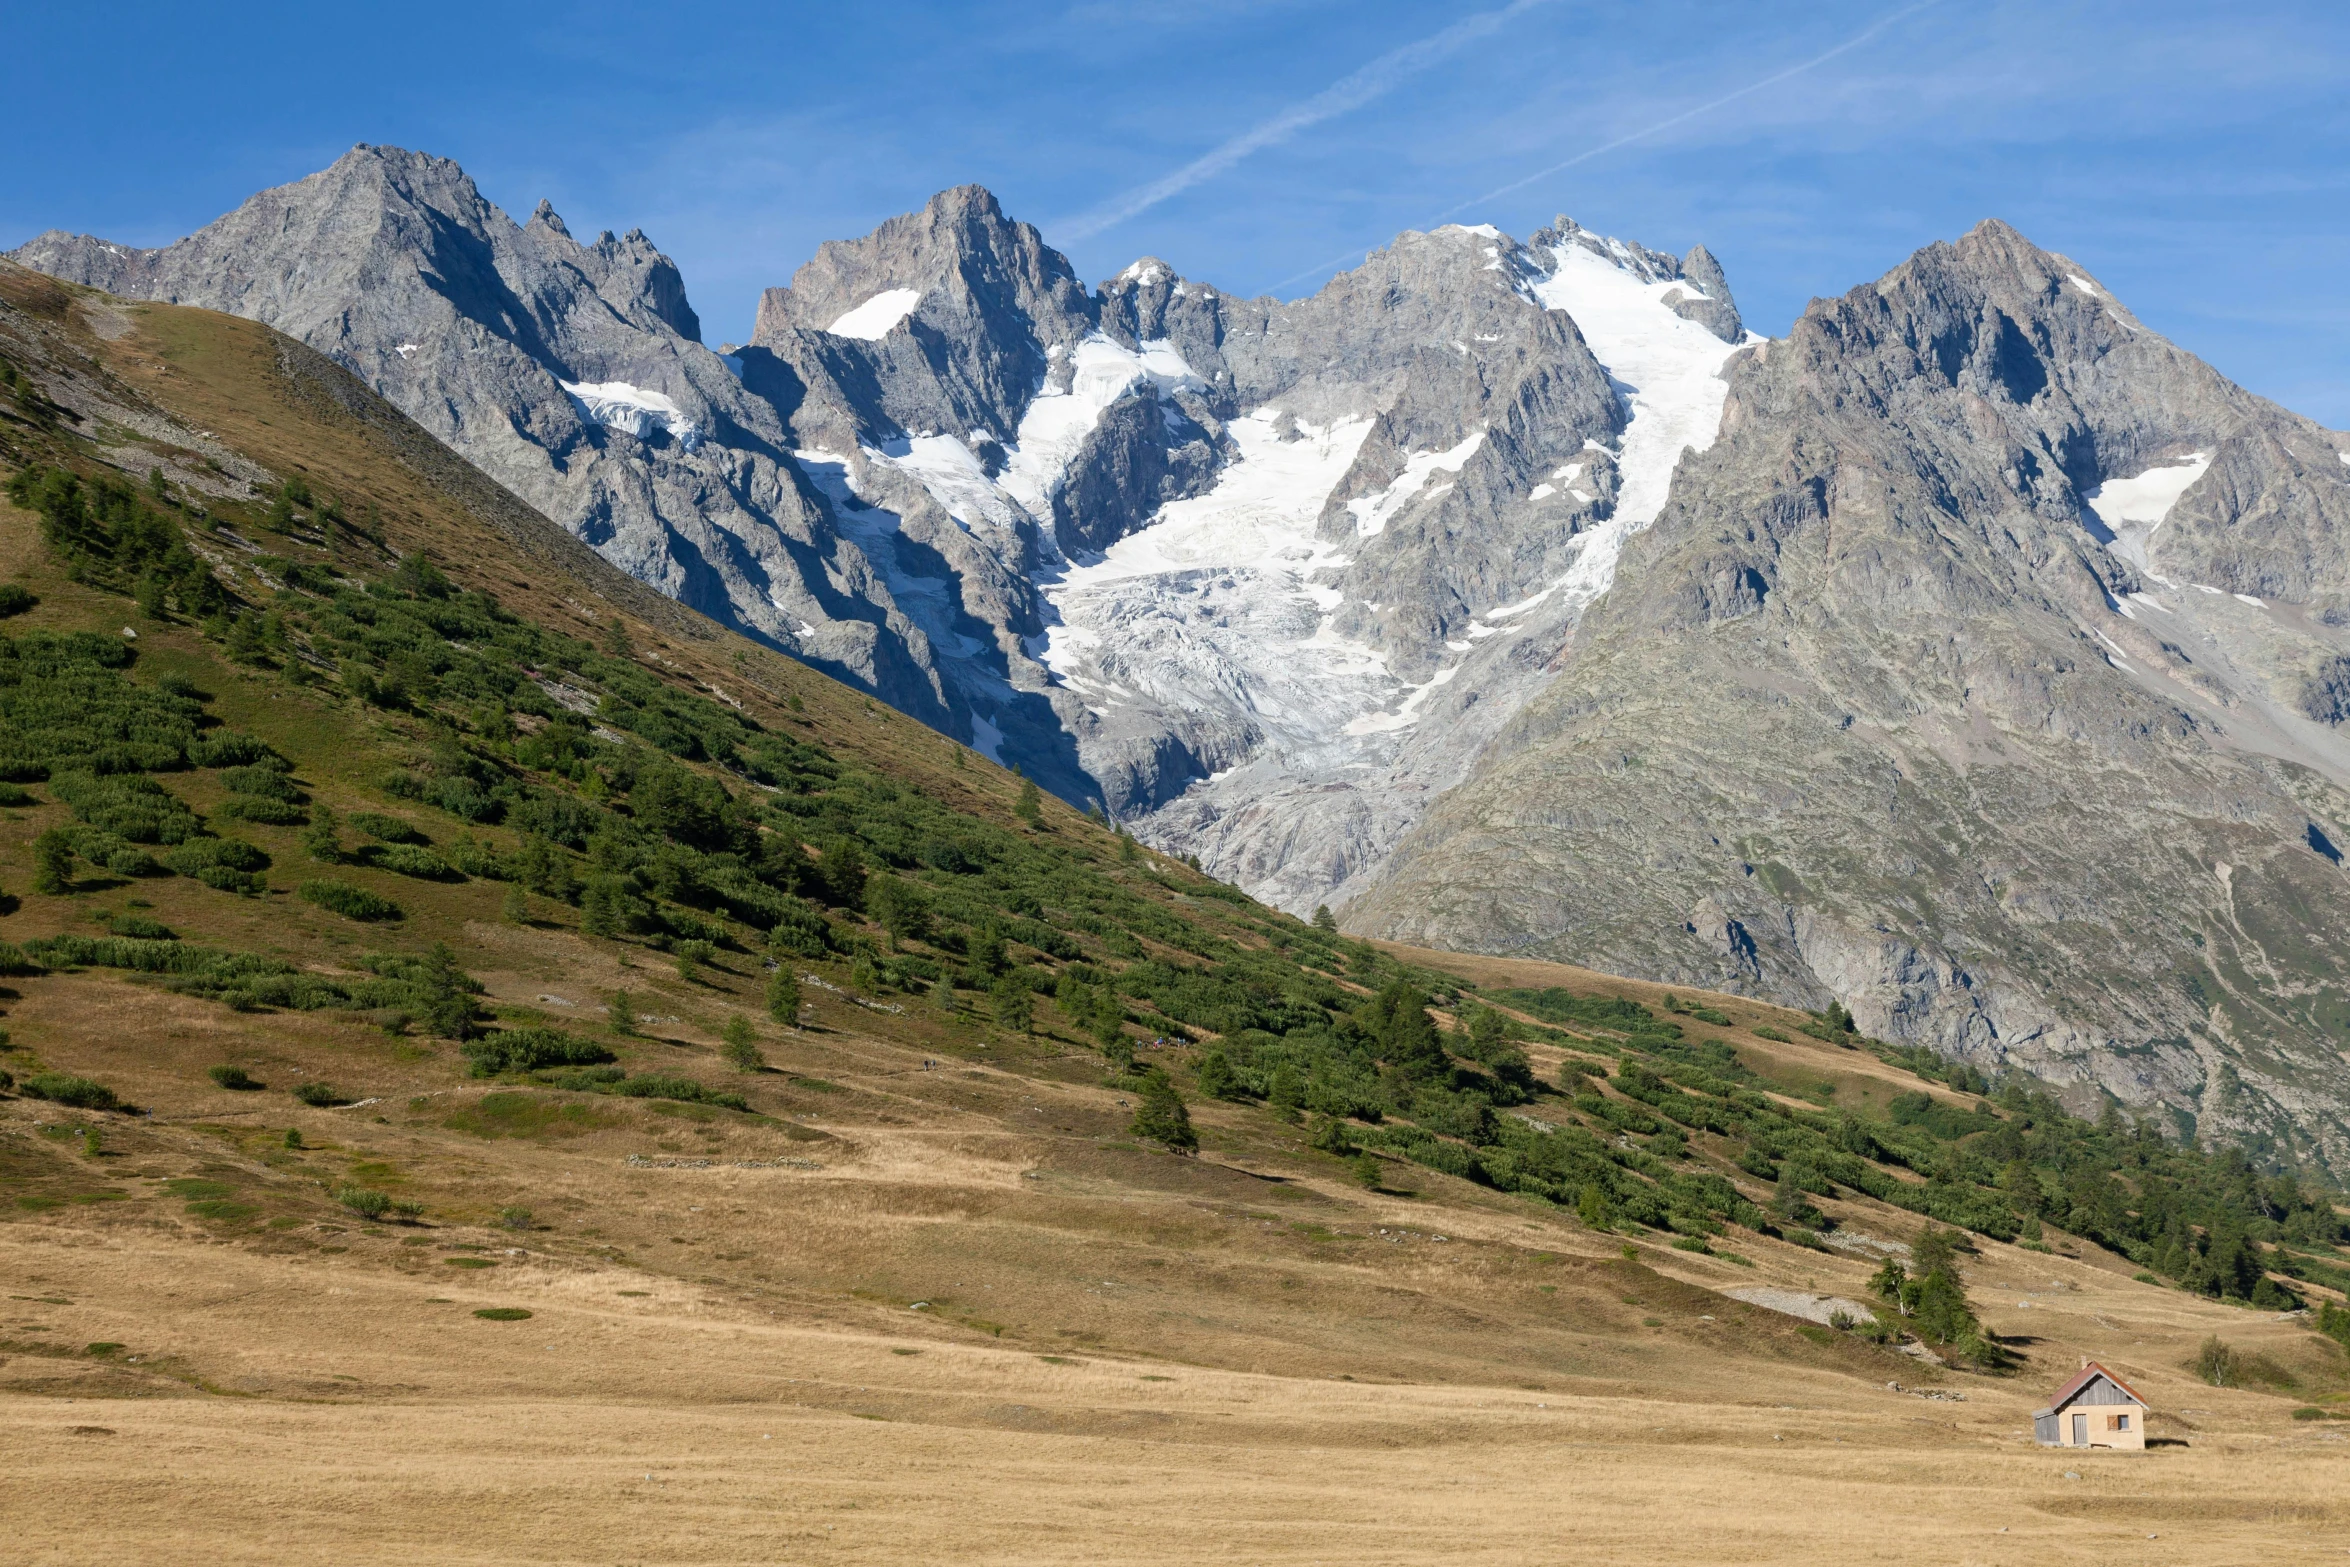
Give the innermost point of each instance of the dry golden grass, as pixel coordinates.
(1115, 1354)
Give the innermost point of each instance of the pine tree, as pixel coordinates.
(1217, 1080)
(1284, 1093)
(448, 1006)
(742, 1051)
(600, 911)
(1369, 1170)
(52, 864)
(1324, 919)
(783, 996)
(1030, 806)
(1015, 1003)
(623, 1013)
(1162, 1117)
(516, 907)
(1406, 1033)
(1108, 1021)
(1592, 1207)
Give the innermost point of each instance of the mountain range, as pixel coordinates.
(1970, 658)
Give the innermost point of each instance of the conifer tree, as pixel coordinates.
(741, 1050)
(1162, 1117)
(1015, 1003)
(783, 996)
(52, 864)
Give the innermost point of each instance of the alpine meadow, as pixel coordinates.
(1476, 916)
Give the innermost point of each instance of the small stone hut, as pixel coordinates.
(2094, 1409)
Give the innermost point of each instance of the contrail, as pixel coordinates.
(1349, 93)
(1846, 47)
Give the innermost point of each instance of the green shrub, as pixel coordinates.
(13, 795)
(132, 807)
(138, 927)
(364, 1201)
(502, 1314)
(235, 1078)
(14, 600)
(655, 1085)
(228, 864)
(799, 930)
(530, 1050)
(267, 812)
(408, 860)
(515, 1217)
(318, 1095)
(265, 782)
(388, 829)
(356, 903)
(81, 1093)
(1765, 1031)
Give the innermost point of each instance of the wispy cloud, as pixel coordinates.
(1349, 93)
(1657, 128)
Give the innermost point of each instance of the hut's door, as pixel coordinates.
(2080, 1430)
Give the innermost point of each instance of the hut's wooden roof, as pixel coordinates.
(2089, 1373)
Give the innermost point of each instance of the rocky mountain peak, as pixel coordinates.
(960, 303)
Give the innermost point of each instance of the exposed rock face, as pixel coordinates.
(571, 373)
(1899, 703)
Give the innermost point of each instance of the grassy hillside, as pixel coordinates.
(394, 886)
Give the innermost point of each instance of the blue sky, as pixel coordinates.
(2196, 157)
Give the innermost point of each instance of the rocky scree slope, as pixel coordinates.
(1944, 687)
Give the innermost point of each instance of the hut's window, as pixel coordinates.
(2121, 1422)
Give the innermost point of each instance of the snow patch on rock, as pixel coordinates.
(620, 406)
(878, 316)
(1372, 512)
(2133, 509)
(1667, 369)
(1057, 422)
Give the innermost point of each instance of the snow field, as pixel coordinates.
(2133, 509)
(1667, 370)
(1057, 423)
(878, 316)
